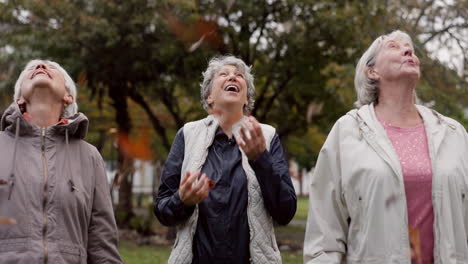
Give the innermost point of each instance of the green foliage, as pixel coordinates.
(149, 55)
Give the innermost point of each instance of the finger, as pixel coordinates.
(245, 137)
(192, 178)
(257, 128)
(199, 184)
(204, 188)
(184, 180)
(204, 191)
(240, 142)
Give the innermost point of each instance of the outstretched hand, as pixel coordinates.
(251, 138)
(192, 193)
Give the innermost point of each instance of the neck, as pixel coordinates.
(44, 111)
(396, 105)
(227, 119)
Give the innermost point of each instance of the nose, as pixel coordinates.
(41, 66)
(408, 52)
(232, 76)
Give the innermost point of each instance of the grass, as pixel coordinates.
(302, 208)
(135, 254)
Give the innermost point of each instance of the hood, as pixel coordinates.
(77, 125)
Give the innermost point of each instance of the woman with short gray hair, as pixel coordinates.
(53, 184)
(391, 180)
(226, 215)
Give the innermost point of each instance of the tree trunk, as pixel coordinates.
(125, 164)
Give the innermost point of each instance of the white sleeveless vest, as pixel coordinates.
(198, 138)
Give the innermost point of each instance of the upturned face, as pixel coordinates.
(228, 89)
(44, 76)
(396, 60)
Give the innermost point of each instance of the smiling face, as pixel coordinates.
(228, 89)
(395, 60)
(42, 75)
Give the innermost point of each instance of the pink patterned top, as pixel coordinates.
(412, 149)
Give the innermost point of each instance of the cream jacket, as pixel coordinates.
(357, 206)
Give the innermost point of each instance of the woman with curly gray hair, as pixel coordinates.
(391, 180)
(227, 214)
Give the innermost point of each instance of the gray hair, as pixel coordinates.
(367, 89)
(72, 108)
(214, 66)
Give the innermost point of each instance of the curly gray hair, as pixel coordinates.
(72, 108)
(367, 89)
(215, 64)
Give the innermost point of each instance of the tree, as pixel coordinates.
(151, 54)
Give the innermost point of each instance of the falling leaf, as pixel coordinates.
(82, 79)
(7, 221)
(195, 34)
(229, 4)
(136, 148)
(415, 244)
(196, 44)
(211, 183)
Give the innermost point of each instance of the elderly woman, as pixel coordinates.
(227, 214)
(53, 185)
(391, 180)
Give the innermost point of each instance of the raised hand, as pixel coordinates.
(191, 192)
(251, 138)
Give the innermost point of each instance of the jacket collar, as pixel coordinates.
(374, 133)
(76, 125)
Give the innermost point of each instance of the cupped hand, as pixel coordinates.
(193, 192)
(251, 138)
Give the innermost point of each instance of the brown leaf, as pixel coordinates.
(136, 148)
(415, 243)
(7, 221)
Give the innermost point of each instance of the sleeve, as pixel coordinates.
(169, 209)
(102, 230)
(327, 221)
(272, 172)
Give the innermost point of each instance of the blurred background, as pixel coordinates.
(138, 66)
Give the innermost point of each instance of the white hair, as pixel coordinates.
(215, 64)
(367, 89)
(72, 108)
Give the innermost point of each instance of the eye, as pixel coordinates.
(222, 74)
(240, 75)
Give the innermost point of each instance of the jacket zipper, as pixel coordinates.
(44, 198)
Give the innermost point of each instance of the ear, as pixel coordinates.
(20, 101)
(372, 74)
(209, 100)
(67, 98)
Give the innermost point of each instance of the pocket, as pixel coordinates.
(15, 210)
(17, 244)
(70, 253)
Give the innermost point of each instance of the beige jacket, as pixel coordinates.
(357, 206)
(53, 184)
(199, 136)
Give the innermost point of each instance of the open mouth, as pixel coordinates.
(40, 72)
(232, 88)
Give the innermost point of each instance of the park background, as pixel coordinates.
(138, 65)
